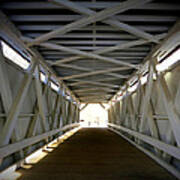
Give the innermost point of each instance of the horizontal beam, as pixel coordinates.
(82, 53)
(102, 79)
(87, 48)
(120, 46)
(85, 90)
(122, 54)
(113, 22)
(22, 115)
(121, 7)
(118, 35)
(172, 150)
(12, 148)
(52, 59)
(147, 28)
(163, 163)
(95, 73)
(80, 82)
(87, 42)
(106, 79)
(95, 5)
(94, 101)
(95, 97)
(65, 18)
(94, 94)
(90, 70)
(90, 55)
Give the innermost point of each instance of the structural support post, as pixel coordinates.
(15, 108)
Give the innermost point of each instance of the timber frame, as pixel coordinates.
(47, 113)
(92, 44)
(136, 116)
(92, 49)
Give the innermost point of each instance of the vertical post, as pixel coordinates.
(170, 108)
(7, 98)
(15, 108)
(40, 99)
(172, 112)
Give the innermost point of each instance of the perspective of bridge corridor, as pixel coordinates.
(90, 89)
(96, 154)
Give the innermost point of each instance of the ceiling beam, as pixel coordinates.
(85, 90)
(95, 5)
(132, 59)
(117, 35)
(80, 82)
(90, 70)
(51, 27)
(62, 18)
(93, 101)
(124, 6)
(106, 79)
(144, 48)
(93, 93)
(95, 73)
(87, 54)
(110, 49)
(95, 80)
(95, 97)
(82, 53)
(119, 54)
(52, 59)
(113, 22)
(88, 42)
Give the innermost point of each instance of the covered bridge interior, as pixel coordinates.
(124, 55)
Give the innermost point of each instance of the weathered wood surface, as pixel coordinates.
(94, 153)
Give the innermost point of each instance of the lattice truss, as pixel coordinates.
(149, 117)
(93, 46)
(139, 118)
(51, 114)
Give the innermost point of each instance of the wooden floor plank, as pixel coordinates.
(96, 154)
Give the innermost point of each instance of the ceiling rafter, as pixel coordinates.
(50, 27)
(109, 49)
(117, 54)
(104, 71)
(85, 90)
(96, 5)
(61, 18)
(108, 12)
(113, 22)
(92, 82)
(80, 82)
(93, 93)
(107, 96)
(83, 53)
(87, 60)
(90, 70)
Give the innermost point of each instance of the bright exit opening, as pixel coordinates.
(94, 115)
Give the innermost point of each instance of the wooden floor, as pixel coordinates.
(96, 154)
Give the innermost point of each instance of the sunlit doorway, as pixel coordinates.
(94, 115)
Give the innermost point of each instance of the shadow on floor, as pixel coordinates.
(95, 154)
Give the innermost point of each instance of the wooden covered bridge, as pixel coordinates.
(58, 56)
